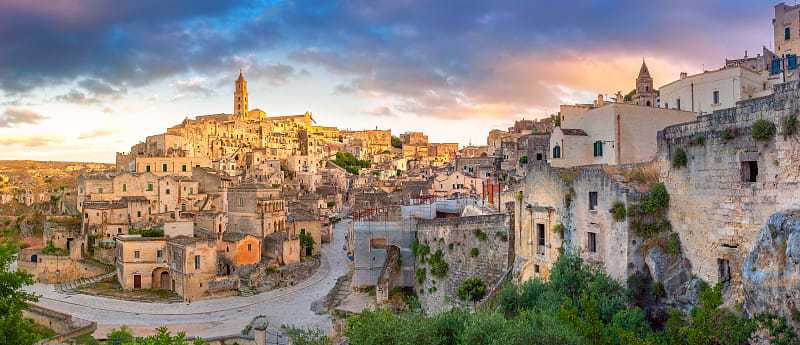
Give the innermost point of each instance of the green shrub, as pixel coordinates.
(673, 246)
(421, 275)
(698, 141)
(763, 130)
(728, 135)
(656, 200)
(472, 289)
(420, 250)
(523, 160)
(479, 234)
(559, 229)
(474, 252)
(789, 126)
(502, 235)
(439, 268)
(618, 211)
(680, 159)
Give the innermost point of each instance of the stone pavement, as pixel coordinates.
(217, 317)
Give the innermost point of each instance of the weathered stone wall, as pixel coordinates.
(456, 237)
(715, 211)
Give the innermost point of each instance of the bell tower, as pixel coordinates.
(645, 94)
(240, 97)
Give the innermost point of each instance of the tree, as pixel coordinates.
(396, 142)
(123, 336)
(306, 242)
(14, 329)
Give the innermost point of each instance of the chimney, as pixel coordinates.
(684, 75)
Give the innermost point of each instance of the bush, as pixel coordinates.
(502, 235)
(523, 160)
(656, 200)
(420, 251)
(618, 211)
(472, 289)
(680, 159)
(698, 141)
(480, 235)
(728, 135)
(763, 130)
(673, 246)
(439, 268)
(559, 229)
(421, 275)
(474, 252)
(789, 126)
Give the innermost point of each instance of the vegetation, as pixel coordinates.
(618, 211)
(728, 135)
(642, 176)
(559, 229)
(698, 141)
(14, 329)
(396, 142)
(348, 162)
(306, 242)
(680, 159)
(479, 234)
(648, 216)
(152, 232)
(420, 251)
(523, 160)
(673, 246)
(763, 130)
(580, 304)
(439, 267)
(421, 275)
(629, 96)
(472, 289)
(502, 235)
(300, 336)
(474, 252)
(789, 126)
(51, 249)
(123, 336)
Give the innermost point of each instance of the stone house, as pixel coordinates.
(238, 250)
(306, 223)
(256, 209)
(448, 184)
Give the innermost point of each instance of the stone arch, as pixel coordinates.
(161, 279)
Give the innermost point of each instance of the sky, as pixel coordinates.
(83, 79)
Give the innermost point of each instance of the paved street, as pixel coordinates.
(289, 305)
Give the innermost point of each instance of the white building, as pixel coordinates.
(712, 90)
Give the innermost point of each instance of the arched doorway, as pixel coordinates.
(34, 258)
(161, 279)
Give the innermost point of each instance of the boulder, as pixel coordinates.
(771, 271)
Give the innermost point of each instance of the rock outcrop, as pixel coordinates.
(675, 274)
(771, 271)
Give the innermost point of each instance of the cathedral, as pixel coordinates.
(645, 93)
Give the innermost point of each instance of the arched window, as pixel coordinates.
(557, 152)
(598, 148)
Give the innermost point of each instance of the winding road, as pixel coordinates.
(215, 317)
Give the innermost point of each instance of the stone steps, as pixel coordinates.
(78, 283)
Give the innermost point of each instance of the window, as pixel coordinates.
(557, 152)
(197, 262)
(724, 270)
(119, 230)
(149, 187)
(139, 214)
(136, 254)
(249, 247)
(191, 190)
(159, 254)
(540, 234)
(598, 148)
(787, 34)
(166, 191)
(538, 156)
(666, 105)
(592, 242)
(183, 168)
(164, 167)
(592, 201)
(791, 62)
(147, 168)
(715, 97)
(749, 171)
(100, 190)
(124, 187)
(536, 268)
(679, 103)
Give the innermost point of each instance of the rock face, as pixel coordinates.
(771, 272)
(675, 274)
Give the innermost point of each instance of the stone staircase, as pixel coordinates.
(244, 287)
(69, 286)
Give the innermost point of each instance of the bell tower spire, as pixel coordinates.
(240, 96)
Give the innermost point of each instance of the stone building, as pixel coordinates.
(646, 94)
(786, 29)
(712, 90)
(256, 209)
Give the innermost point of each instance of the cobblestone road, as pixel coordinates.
(217, 317)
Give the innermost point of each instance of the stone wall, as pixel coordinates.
(713, 208)
(65, 326)
(456, 237)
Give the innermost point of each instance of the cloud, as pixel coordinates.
(193, 87)
(381, 112)
(95, 133)
(12, 117)
(29, 141)
(77, 97)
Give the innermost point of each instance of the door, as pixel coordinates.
(137, 281)
(164, 282)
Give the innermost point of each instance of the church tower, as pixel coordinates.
(645, 94)
(240, 97)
